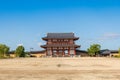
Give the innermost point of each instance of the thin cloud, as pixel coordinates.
(104, 37)
(40, 43)
(110, 36)
(92, 41)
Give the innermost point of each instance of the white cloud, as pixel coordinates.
(104, 37)
(109, 36)
(20, 44)
(93, 41)
(112, 35)
(40, 43)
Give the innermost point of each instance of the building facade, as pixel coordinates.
(60, 44)
(38, 53)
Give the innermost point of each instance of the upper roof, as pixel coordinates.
(60, 36)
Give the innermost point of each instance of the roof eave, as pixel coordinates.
(76, 38)
(43, 46)
(46, 38)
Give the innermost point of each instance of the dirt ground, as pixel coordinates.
(60, 69)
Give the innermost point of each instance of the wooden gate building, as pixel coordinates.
(60, 44)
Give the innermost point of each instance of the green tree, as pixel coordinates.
(20, 51)
(119, 51)
(4, 49)
(94, 49)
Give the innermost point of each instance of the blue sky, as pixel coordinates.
(27, 21)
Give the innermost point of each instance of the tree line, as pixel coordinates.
(93, 50)
(4, 51)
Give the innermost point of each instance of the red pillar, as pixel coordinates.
(63, 51)
(46, 53)
(74, 51)
(57, 52)
(52, 51)
(68, 51)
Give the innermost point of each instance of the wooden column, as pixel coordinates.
(63, 52)
(49, 51)
(68, 51)
(46, 52)
(57, 51)
(52, 51)
(74, 51)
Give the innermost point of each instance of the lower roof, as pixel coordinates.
(60, 45)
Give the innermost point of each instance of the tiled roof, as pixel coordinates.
(60, 35)
(105, 51)
(37, 52)
(83, 51)
(114, 51)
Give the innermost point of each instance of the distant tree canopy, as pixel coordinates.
(119, 51)
(20, 51)
(94, 49)
(4, 49)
